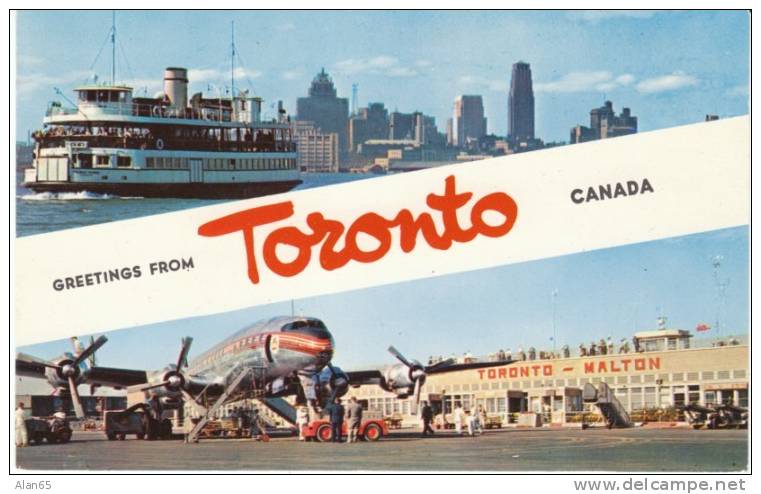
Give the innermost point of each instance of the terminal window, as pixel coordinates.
(694, 394)
(742, 397)
(709, 397)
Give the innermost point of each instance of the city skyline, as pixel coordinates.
(412, 61)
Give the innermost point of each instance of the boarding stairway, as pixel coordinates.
(615, 414)
(281, 408)
(231, 388)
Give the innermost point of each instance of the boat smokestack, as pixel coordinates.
(176, 86)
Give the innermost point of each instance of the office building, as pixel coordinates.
(520, 104)
(468, 121)
(368, 123)
(317, 151)
(327, 112)
(604, 124)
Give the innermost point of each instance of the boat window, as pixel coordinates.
(85, 160)
(103, 160)
(123, 161)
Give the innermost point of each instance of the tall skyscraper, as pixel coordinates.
(468, 121)
(520, 104)
(329, 113)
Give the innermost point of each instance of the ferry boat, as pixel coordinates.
(114, 142)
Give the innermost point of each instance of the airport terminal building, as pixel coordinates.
(668, 370)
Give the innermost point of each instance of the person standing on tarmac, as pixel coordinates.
(482, 418)
(336, 411)
(302, 419)
(255, 432)
(459, 417)
(187, 428)
(427, 415)
(22, 437)
(354, 419)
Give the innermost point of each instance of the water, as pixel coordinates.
(48, 212)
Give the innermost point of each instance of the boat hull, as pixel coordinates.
(170, 190)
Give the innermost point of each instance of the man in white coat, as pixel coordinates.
(22, 437)
(302, 419)
(459, 418)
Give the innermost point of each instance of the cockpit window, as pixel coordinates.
(310, 323)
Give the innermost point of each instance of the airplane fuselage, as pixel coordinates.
(276, 350)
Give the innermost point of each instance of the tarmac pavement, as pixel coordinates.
(514, 450)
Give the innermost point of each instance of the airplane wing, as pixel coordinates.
(358, 378)
(448, 366)
(361, 377)
(30, 366)
(116, 378)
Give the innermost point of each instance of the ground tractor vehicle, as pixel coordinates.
(136, 420)
(227, 427)
(50, 429)
(369, 430)
(716, 416)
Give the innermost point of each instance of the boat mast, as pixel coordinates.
(113, 47)
(232, 62)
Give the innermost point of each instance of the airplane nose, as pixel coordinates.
(321, 342)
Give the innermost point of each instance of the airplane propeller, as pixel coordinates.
(174, 379)
(69, 370)
(417, 372)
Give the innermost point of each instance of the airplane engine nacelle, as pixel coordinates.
(166, 384)
(400, 379)
(57, 376)
(333, 383)
(171, 402)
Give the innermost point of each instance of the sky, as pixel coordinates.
(670, 68)
(610, 292)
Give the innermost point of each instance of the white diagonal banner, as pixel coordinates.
(399, 227)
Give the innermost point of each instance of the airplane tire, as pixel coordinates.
(324, 434)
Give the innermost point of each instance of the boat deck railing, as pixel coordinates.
(209, 114)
